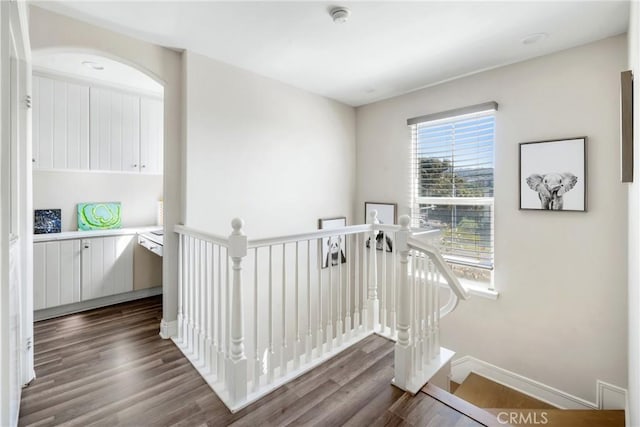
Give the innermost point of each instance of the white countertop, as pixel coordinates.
(69, 235)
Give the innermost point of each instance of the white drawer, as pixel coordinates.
(150, 245)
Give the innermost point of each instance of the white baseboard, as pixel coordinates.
(49, 313)
(609, 396)
(168, 329)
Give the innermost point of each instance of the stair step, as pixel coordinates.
(559, 417)
(485, 393)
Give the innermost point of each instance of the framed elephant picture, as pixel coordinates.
(553, 175)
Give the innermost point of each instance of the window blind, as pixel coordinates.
(453, 164)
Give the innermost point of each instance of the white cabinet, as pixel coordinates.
(115, 131)
(84, 127)
(56, 276)
(151, 135)
(107, 266)
(69, 271)
(60, 124)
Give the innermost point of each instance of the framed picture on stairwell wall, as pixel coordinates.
(553, 175)
(334, 248)
(387, 214)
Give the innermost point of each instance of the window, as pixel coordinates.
(452, 185)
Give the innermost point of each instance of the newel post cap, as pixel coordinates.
(405, 220)
(374, 216)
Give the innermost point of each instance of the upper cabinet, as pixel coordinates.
(83, 127)
(60, 124)
(115, 131)
(151, 135)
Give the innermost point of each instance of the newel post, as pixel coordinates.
(373, 304)
(403, 345)
(237, 362)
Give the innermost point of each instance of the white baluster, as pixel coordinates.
(339, 299)
(270, 355)
(237, 368)
(436, 317)
(309, 340)
(196, 298)
(364, 315)
(329, 309)
(201, 304)
(208, 304)
(319, 335)
(373, 304)
(402, 354)
(257, 366)
(283, 349)
(356, 284)
(383, 285)
(394, 287)
(220, 362)
(180, 287)
(296, 323)
(191, 292)
(347, 325)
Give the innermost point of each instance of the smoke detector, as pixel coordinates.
(340, 15)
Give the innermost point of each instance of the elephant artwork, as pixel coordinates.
(551, 187)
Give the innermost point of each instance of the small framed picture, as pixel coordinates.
(553, 175)
(387, 214)
(334, 248)
(47, 221)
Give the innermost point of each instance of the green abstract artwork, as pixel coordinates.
(99, 216)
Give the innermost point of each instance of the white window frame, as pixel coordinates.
(479, 110)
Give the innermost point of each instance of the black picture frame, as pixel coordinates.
(553, 175)
(333, 250)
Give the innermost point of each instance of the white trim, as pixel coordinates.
(168, 329)
(96, 171)
(49, 313)
(609, 396)
(77, 235)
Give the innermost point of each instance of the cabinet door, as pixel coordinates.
(115, 131)
(107, 266)
(56, 275)
(60, 124)
(151, 135)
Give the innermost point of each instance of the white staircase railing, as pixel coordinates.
(255, 314)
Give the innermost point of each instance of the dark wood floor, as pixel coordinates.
(109, 367)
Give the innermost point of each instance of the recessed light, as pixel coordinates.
(93, 65)
(340, 15)
(534, 38)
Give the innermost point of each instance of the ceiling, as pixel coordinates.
(385, 49)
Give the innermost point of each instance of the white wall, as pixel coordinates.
(276, 156)
(634, 227)
(138, 194)
(561, 315)
(53, 32)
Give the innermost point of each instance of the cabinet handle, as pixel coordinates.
(134, 166)
(33, 160)
(144, 166)
(86, 246)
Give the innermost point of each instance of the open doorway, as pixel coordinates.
(97, 183)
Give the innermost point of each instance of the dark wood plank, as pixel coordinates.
(109, 367)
